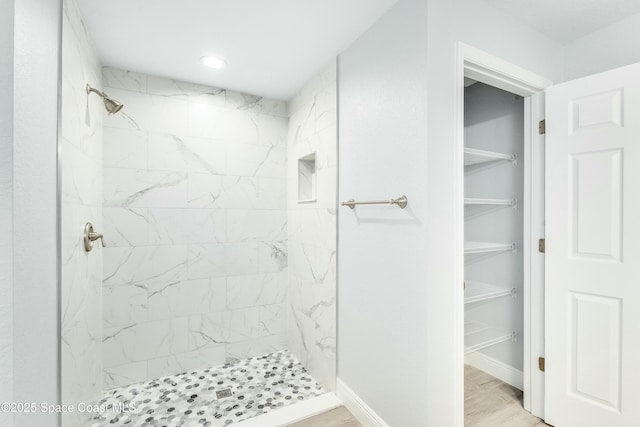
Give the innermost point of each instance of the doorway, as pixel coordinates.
(495, 74)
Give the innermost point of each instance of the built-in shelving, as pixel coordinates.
(478, 291)
(476, 157)
(478, 336)
(487, 247)
(484, 202)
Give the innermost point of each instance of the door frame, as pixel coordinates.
(489, 69)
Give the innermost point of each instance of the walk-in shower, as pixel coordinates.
(213, 298)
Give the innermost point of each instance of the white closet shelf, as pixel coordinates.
(478, 291)
(478, 336)
(475, 157)
(486, 247)
(502, 202)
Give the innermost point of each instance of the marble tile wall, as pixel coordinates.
(81, 201)
(195, 211)
(312, 229)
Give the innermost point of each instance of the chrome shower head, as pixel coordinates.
(111, 105)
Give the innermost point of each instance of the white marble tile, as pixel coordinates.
(116, 78)
(251, 225)
(143, 341)
(272, 193)
(257, 289)
(148, 113)
(183, 362)
(142, 265)
(205, 225)
(243, 349)
(163, 300)
(125, 226)
(240, 193)
(274, 319)
(256, 160)
(81, 160)
(205, 155)
(130, 373)
(81, 178)
(202, 296)
(222, 260)
(174, 153)
(139, 188)
(206, 261)
(124, 305)
(166, 226)
(124, 148)
(209, 330)
(204, 190)
(273, 256)
(175, 89)
(272, 130)
(210, 121)
(258, 104)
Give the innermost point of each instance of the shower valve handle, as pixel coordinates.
(91, 236)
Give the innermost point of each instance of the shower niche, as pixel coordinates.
(307, 179)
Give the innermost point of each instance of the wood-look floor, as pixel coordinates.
(338, 417)
(489, 402)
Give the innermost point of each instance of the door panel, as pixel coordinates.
(592, 296)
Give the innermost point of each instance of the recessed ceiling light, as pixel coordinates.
(213, 62)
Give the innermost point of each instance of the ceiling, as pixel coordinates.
(567, 20)
(271, 47)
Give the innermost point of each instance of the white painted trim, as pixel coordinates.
(535, 295)
(489, 69)
(359, 409)
(495, 368)
(496, 72)
(294, 413)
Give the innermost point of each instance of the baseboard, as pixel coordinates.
(294, 413)
(495, 368)
(359, 409)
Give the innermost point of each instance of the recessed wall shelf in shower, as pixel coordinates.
(487, 247)
(307, 179)
(477, 157)
(478, 336)
(478, 291)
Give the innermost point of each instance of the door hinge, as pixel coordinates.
(541, 363)
(541, 246)
(542, 127)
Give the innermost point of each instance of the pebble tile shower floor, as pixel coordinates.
(254, 386)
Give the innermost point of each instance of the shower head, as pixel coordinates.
(111, 105)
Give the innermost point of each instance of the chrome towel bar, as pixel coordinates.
(400, 201)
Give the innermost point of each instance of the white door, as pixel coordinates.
(593, 251)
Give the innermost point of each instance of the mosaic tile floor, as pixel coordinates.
(212, 397)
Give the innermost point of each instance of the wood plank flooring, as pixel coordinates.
(338, 417)
(489, 402)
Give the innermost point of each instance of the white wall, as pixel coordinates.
(6, 207)
(195, 223)
(36, 315)
(397, 268)
(81, 201)
(382, 107)
(613, 46)
(312, 228)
